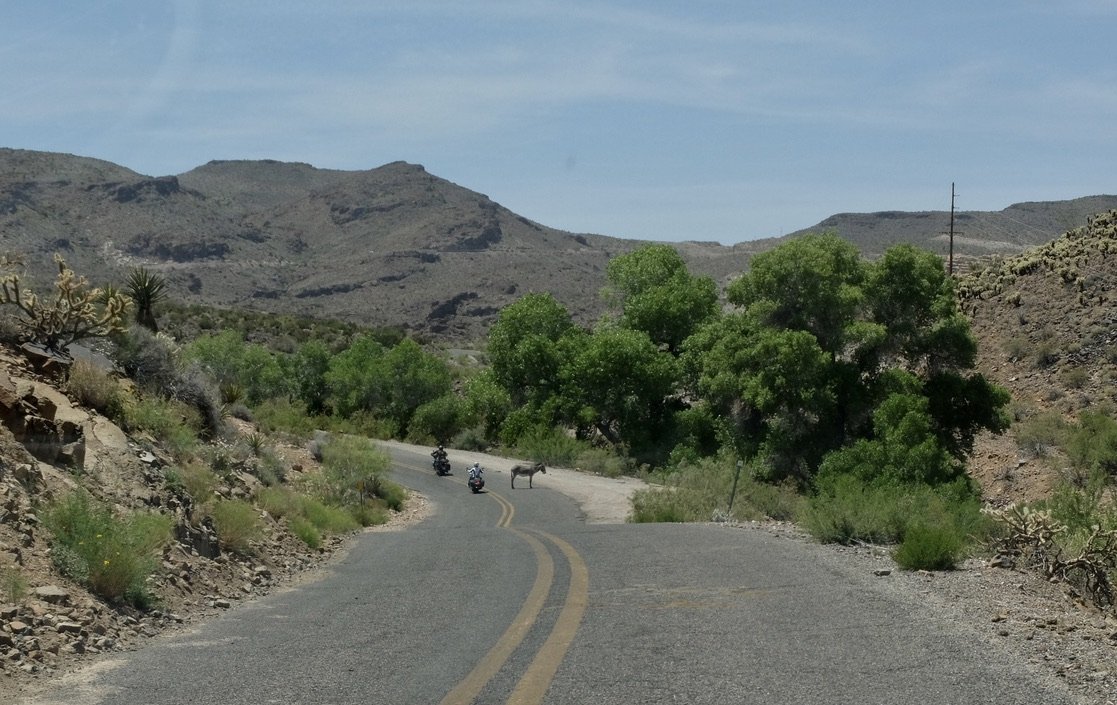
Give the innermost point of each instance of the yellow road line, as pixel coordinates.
(537, 679)
(533, 685)
(468, 689)
(508, 510)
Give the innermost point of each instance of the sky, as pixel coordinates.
(712, 120)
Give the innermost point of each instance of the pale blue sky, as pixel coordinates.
(724, 120)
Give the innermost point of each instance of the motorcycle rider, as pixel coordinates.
(475, 470)
(441, 463)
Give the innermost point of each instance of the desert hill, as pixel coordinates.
(390, 246)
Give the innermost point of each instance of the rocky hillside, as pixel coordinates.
(1047, 328)
(48, 447)
(391, 246)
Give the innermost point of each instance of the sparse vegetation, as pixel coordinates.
(13, 585)
(112, 556)
(237, 523)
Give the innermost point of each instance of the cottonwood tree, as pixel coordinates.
(825, 350)
(657, 295)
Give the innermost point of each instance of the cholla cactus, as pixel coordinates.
(1039, 539)
(76, 311)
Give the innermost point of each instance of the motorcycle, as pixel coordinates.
(441, 466)
(476, 482)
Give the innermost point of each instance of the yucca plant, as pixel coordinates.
(146, 290)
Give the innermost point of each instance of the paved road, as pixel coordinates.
(507, 597)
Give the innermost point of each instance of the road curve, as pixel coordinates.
(511, 597)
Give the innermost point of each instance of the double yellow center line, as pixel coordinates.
(532, 686)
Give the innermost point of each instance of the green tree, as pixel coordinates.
(659, 296)
(230, 360)
(487, 403)
(355, 377)
(412, 378)
(820, 344)
(523, 347)
(308, 369)
(618, 382)
(439, 418)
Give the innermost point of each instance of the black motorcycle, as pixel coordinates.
(441, 466)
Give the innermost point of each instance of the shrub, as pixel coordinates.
(700, 491)
(929, 547)
(237, 524)
(1093, 442)
(111, 556)
(13, 586)
(277, 501)
(198, 481)
(1041, 434)
(352, 470)
(170, 422)
(847, 510)
(370, 514)
(600, 461)
(1073, 378)
(96, 389)
(326, 518)
(306, 532)
(549, 446)
(470, 439)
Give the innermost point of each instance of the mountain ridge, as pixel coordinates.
(388, 246)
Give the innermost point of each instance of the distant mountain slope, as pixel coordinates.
(976, 233)
(393, 245)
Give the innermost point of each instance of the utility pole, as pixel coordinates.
(950, 266)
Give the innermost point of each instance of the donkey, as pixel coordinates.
(528, 470)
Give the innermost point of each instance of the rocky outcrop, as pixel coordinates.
(31, 418)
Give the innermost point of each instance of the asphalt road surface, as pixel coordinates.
(509, 597)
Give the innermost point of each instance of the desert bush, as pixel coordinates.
(270, 468)
(198, 481)
(370, 514)
(1085, 557)
(277, 501)
(111, 556)
(847, 510)
(472, 438)
(306, 532)
(170, 422)
(96, 389)
(152, 361)
(1041, 434)
(329, 519)
(285, 502)
(930, 547)
(13, 585)
(1045, 354)
(1074, 377)
(602, 462)
(1018, 348)
(1092, 443)
(700, 491)
(237, 524)
(353, 472)
(550, 446)
(288, 416)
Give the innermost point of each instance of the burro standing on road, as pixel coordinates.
(528, 470)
